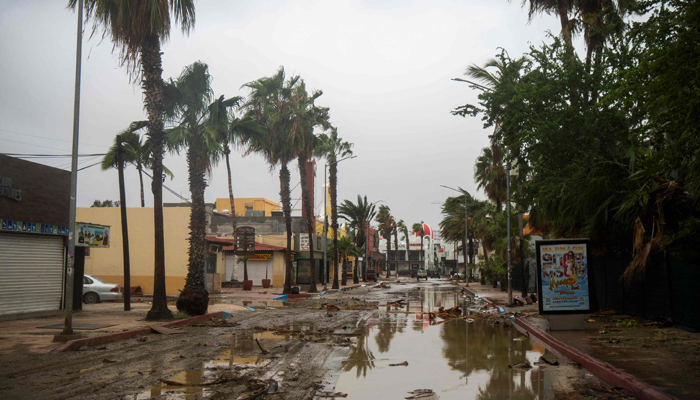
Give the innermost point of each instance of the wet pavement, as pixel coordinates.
(456, 359)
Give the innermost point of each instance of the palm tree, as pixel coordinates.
(334, 148)
(136, 152)
(490, 176)
(418, 229)
(195, 129)
(401, 226)
(231, 131)
(562, 8)
(386, 227)
(357, 215)
(308, 116)
(345, 248)
(137, 28)
(271, 102)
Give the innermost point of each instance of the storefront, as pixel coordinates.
(34, 205)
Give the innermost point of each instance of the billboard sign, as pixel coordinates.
(90, 235)
(304, 242)
(563, 276)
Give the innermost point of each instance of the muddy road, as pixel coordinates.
(305, 350)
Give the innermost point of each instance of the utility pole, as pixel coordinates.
(325, 226)
(125, 226)
(68, 304)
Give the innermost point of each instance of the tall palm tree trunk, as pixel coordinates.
(308, 207)
(152, 85)
(388, 250)
(287, 209)
(333, 180)
(194, 299)
(564, 20)
(396, 241)
(139, 166)
(227, 151)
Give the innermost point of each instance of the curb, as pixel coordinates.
(606, 372)
(114, 337)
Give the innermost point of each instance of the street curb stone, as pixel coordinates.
(114, 337)
(606, 372)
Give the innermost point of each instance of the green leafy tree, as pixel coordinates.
(137, 29)
(387, 226)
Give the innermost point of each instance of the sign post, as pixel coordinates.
(564, 282)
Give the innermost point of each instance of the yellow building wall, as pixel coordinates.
(259, 204)
(107, 264)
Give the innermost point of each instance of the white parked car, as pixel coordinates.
(96, 290)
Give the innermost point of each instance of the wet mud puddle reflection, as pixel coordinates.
(243, 352)
(456, 359)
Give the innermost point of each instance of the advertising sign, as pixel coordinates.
(563, 276)
(259, 257)
(244, 241)
(32, 227)
(92, 235)
(304, 242)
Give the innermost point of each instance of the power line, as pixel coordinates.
(48, 138)
(26, 155)
(29, 144)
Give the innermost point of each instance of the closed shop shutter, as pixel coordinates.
(256, 271)
(31, 273)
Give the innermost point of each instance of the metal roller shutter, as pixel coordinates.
(31, 273)
(230, 266)
(256, 271)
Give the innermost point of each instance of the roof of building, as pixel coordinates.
(258, 246)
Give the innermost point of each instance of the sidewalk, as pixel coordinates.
(26, 335)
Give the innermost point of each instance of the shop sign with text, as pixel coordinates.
(89, 235)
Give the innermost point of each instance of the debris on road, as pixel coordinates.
(544, 360)
(522, 365)
(331, 394)
(403, 364)
(421, 394)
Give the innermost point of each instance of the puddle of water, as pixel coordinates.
(455, 359)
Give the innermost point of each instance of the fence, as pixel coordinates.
(667, 289)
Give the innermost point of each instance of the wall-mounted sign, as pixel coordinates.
(6, 189)
(89, 235)
(259, 257)
(33, 227)
(563, 276)
(304, 242)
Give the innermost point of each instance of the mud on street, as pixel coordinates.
(365, 343)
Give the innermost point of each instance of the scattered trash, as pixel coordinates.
(420, 393)
(295, 290)
(522, 365)
(284, 296)
(330, 307)
(518, 303)
(470, 320)
(403, 364)
(520, 339)
(544, 360)
(324, 292)
(108, 361)
(260, 346)
(614, 341)
(590, 320)
(250, 308)
(165, 331)
(226, 315)
(382, 286)
(501, 310)
(331, 394)
(603, 332)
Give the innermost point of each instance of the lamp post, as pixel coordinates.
(325, 220)
(509, 271)
(466, 232)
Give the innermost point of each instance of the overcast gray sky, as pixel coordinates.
(384, 67)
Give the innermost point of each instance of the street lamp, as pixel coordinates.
(466, 232)
(509, 172)
(325, 220)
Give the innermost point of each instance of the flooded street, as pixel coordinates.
(456, 359)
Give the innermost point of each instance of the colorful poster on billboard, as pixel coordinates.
(563, 276)
(89, 235)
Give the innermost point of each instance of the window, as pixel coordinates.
(211, 263)
(87, 281)
(248, 206)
